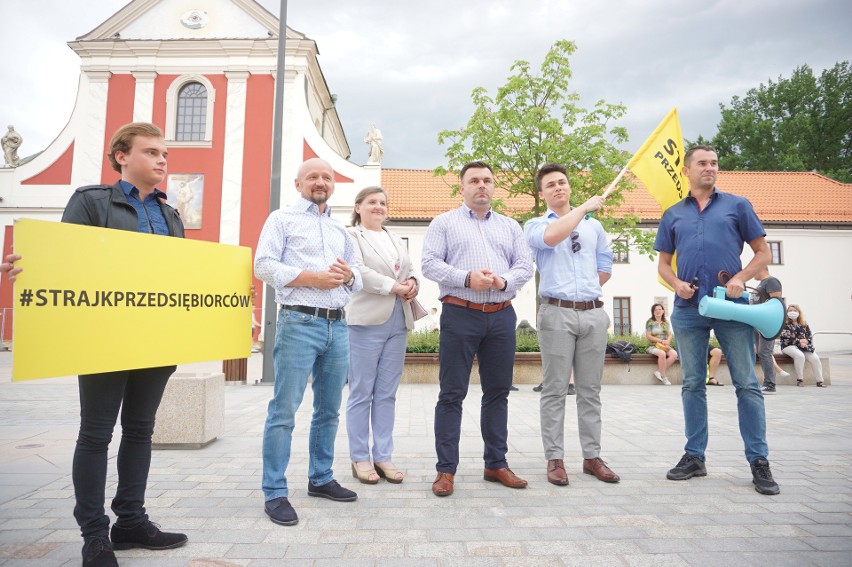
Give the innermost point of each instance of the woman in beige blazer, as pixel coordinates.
(379, 317)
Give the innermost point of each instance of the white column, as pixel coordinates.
(89, 127)
(143, 105)
(232, 168)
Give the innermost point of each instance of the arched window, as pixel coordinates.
(191, 123)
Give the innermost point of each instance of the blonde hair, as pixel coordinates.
(122, 140)
(801, 320)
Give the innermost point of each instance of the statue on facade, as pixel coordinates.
(374, 139)
(11, 142)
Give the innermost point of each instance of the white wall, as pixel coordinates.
(813, 273)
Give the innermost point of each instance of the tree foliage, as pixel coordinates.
(798, 124)
(533, 119)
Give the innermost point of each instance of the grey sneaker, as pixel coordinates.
(571, 390)
(762, 477)
(768, 390)
(686, 468)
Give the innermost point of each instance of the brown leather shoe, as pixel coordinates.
(556, 472)
(598, 468)
(504, 476)
(443, 485)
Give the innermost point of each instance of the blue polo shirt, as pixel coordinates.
(707, 241)
(149, 213)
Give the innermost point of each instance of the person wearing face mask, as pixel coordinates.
(380, 316)
(797, 343)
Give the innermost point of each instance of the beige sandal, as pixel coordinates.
(393, 476)
(364, 476)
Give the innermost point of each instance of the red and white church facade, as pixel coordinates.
(207, 78)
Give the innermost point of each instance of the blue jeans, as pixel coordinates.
(692, 333)
(305, 345)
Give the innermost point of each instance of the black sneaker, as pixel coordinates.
(571, 390)
(281, 511)
(762, 477)
(768, 390)
(538, 388)
(513, 388)
(146, 535)
(686, 468)
(97, 552)
(333, 491)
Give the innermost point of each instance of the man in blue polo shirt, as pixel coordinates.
(708, 230)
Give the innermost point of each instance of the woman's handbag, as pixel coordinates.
(417, 310)
(663, 347)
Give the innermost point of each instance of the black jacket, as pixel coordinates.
(106, 206)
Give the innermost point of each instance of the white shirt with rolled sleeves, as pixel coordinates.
(301, 238)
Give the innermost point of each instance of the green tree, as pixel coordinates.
(798, 124)
(534, 119)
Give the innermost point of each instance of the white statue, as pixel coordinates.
(11, 142)
(374, 140)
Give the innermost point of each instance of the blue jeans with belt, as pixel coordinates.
(137, 393)
(692, 333)
(305, 345)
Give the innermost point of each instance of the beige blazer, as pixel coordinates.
(370, 306)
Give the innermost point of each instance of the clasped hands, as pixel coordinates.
(407, 290)
(337, 274)
(483, 279)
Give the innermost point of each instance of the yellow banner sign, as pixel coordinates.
(100, 300)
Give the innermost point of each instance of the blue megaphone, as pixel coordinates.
(766, 317)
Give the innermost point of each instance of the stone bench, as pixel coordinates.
(192, 413)
(423, 369)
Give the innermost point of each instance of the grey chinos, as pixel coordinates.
(567, 339)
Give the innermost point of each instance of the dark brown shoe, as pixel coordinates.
(556, 472)
(443, 485)
(504, 476)
(598, 468)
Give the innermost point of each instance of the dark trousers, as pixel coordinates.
(137, 393)
(491, 337)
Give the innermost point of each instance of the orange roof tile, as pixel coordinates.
(777, 196)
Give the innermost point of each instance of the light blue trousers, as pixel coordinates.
(377, 356)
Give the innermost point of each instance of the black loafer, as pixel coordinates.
(146, 535)
(333, 491)
(281, 512)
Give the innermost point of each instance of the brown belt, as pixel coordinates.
(484, 307)
(575, 305)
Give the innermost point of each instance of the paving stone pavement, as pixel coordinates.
(213, 494)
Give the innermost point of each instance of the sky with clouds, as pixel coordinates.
(410, 67)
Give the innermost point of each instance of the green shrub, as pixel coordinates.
(425, 341)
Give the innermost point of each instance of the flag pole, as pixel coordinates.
(615, 181)
(611, 186)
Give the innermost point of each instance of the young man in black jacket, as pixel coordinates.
(138, 152)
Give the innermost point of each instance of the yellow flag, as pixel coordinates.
(659, 165)
(99, 300)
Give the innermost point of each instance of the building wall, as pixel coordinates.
(812, 276)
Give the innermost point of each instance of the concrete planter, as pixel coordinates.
(422, 368)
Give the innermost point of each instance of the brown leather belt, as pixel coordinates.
(484, 307)
(575, 305)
